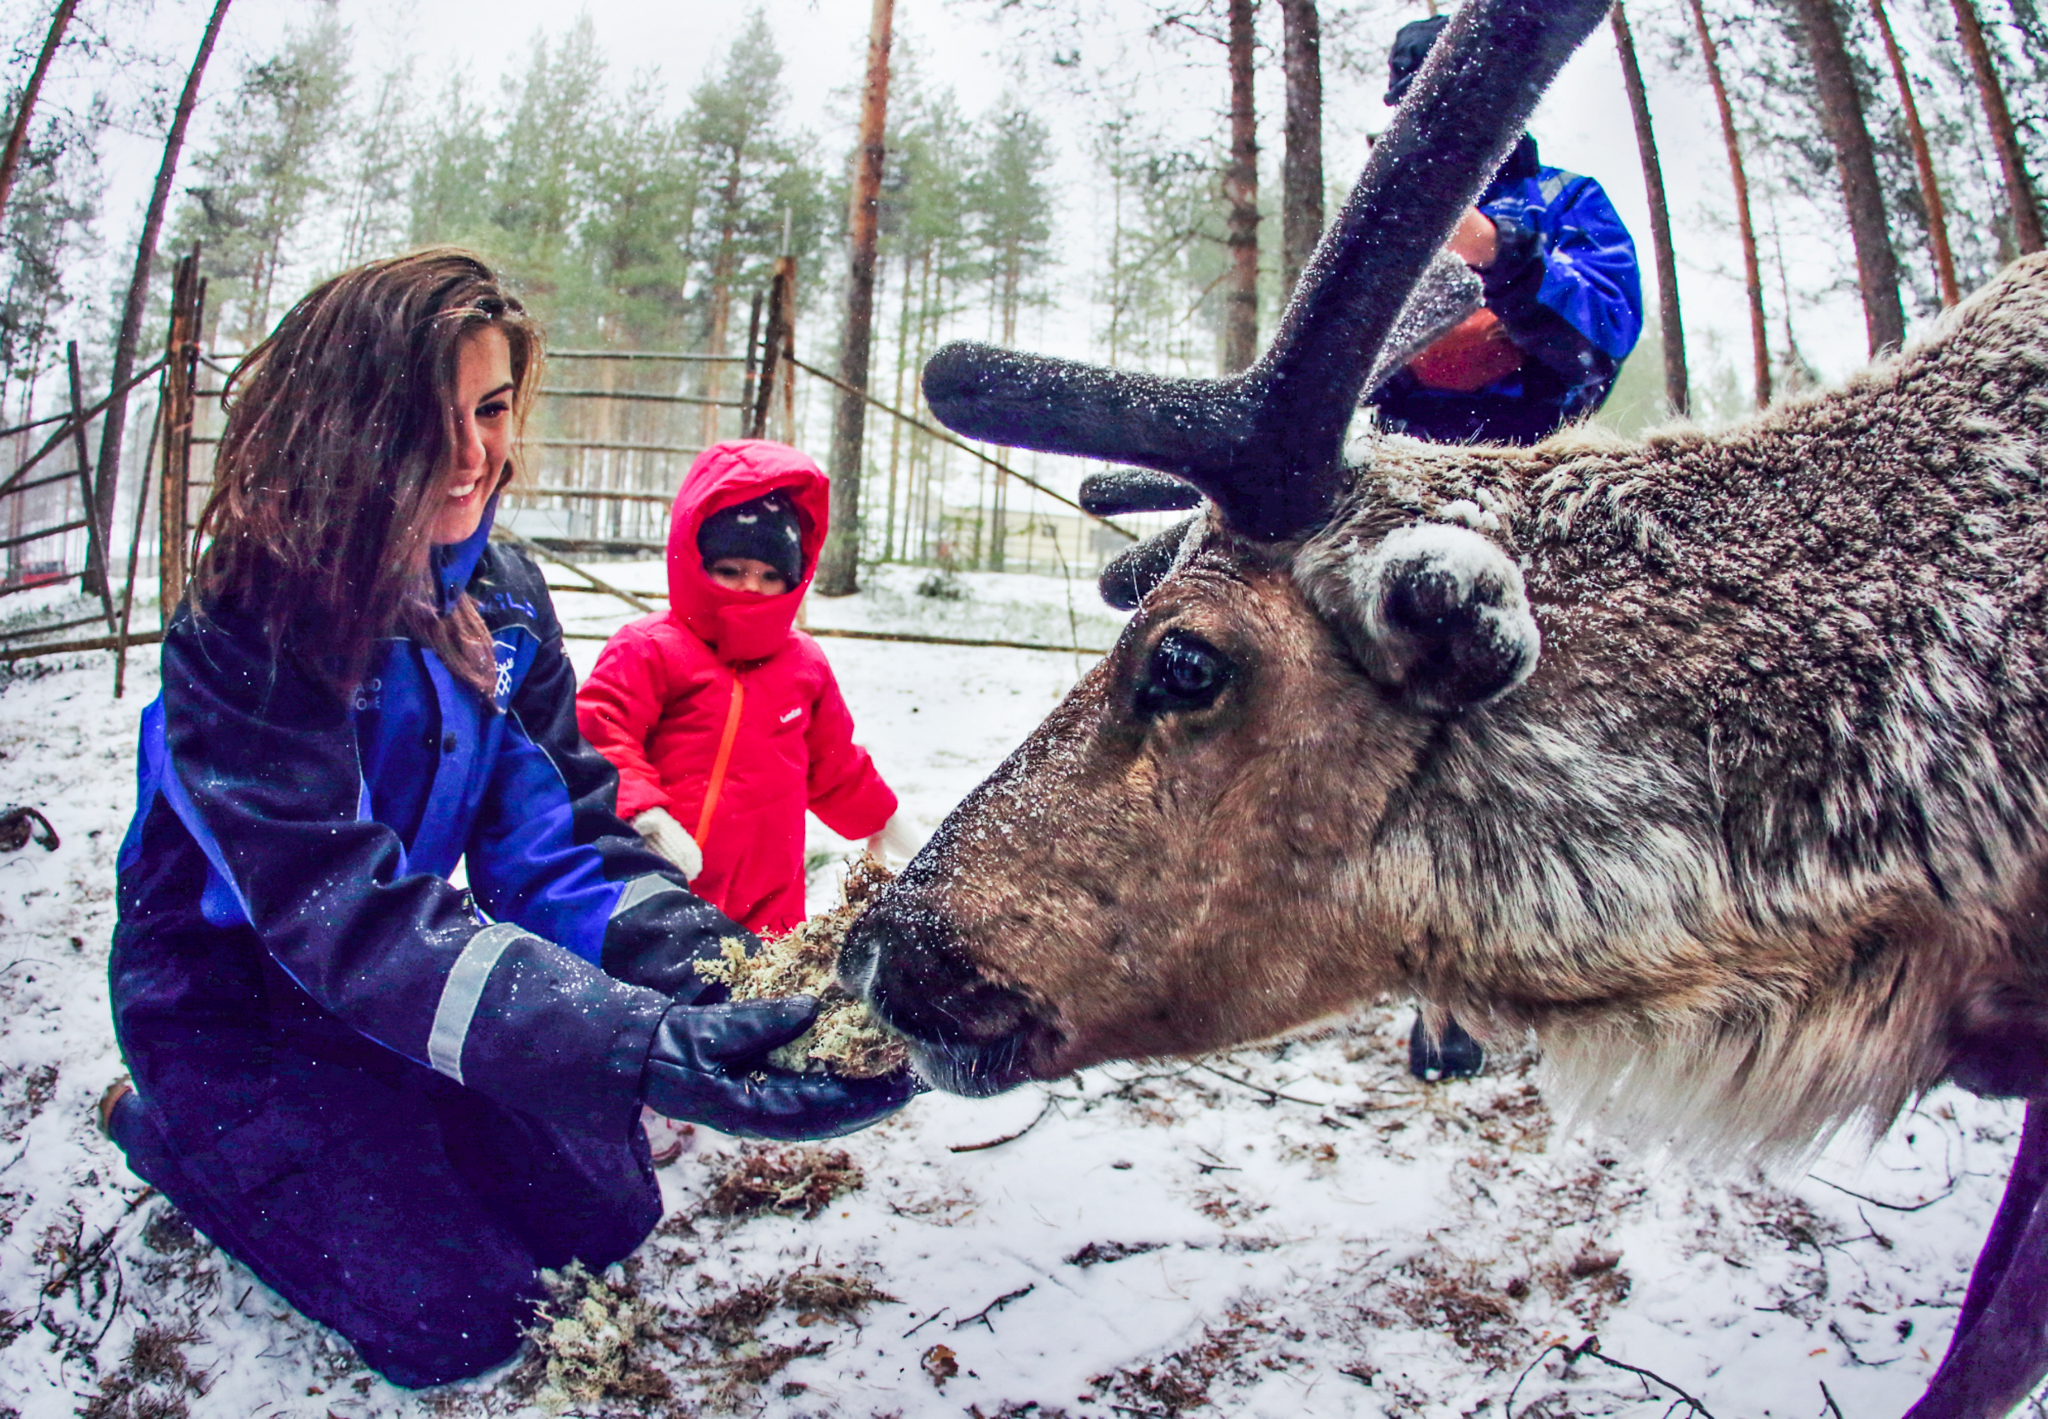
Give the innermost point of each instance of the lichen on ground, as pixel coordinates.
(586, 1339)
(845, 1038)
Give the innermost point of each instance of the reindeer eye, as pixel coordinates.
(1184, 673)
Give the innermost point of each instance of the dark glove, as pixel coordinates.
(709, 1065)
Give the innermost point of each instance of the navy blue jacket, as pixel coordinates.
(284, 884)
(1566, 285)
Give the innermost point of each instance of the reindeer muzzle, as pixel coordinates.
(967, 1034)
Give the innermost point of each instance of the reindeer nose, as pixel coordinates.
(907, 960)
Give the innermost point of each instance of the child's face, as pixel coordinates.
(756, 578)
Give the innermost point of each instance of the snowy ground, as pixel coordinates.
(1286, 1231)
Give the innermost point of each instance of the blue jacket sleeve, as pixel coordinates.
(549, 853)
(263, 769)
(1566, 283)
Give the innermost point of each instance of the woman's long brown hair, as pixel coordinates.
(340, 430)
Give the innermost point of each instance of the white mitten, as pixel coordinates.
(897, 843)
(666, 836)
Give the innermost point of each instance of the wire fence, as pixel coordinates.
(611, 436)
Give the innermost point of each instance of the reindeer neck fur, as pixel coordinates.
(1764, 832)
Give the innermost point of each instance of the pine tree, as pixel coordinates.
(252, 190)
(1013, 213)
(385, 144)
(1842, 112)
(1301, 182)
(924, 221)
(1013, 210)
(753, 172)
(1738, 176)
(541, 164)
(645, 190)
(47, 226)
(450, 190)
(2022, 202)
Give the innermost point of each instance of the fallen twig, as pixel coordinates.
(1887, 1206)
(1589, 1349)
(112, 1310)
(1050, 1099)
(1835, 1329)
(1833, 1408)
(80, 1259)
(925, 1322)
(1261, 1088)
(997, 1304)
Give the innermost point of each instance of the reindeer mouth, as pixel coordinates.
(967, 1034)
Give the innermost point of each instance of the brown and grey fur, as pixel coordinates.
(1756, 850)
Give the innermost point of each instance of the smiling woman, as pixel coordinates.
(375, 424)
(482, 422)
(396, 1100)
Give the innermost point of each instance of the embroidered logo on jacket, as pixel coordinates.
(507, 656)
(791, 715)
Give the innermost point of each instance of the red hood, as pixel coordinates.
(736, 625)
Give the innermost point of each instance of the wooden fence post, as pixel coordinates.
(98, 576)
(180, 379)
(778, 350)
(753, 370)
(785, 267)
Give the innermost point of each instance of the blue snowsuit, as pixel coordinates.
(394, 1100)
(1565, 284)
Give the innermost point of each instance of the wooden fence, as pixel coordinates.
(612, 433)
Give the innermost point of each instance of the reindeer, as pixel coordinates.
(1718, 762)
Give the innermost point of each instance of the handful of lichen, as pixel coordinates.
(844, 1038)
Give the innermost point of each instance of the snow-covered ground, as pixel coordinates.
(1300, 1230)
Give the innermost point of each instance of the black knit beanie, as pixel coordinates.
(1411, 46)
(765, 528)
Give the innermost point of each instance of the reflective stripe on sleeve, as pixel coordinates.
(460, 993)
(644, 888)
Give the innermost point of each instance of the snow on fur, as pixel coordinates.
(1290, 1230)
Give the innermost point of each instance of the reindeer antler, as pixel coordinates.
(1266, 444)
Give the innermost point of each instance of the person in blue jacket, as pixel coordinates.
(393, 1099)
(1563, 308)
(1564, 301)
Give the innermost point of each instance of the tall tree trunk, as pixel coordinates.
(1841, 108)
(17, 138)
(1301, 167)
(1930, 189)
(108, 472)
(2019, 192)
(1241, 192)
(896, 425)
(1675, 391)
(724, 264)
(1752, 268)
(839, 564)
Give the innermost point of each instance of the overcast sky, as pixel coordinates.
(1584, 123)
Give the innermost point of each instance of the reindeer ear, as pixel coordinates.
(1130, 575)
(1435, 612)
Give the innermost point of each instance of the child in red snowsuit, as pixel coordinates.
(723, 720)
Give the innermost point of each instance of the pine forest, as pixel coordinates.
(1140, 190)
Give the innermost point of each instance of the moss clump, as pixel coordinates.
(845, 1038)
(802, 1179)
(586, 1338)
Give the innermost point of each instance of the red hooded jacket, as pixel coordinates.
(720, 711)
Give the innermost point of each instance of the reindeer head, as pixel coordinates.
(1100, 895)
